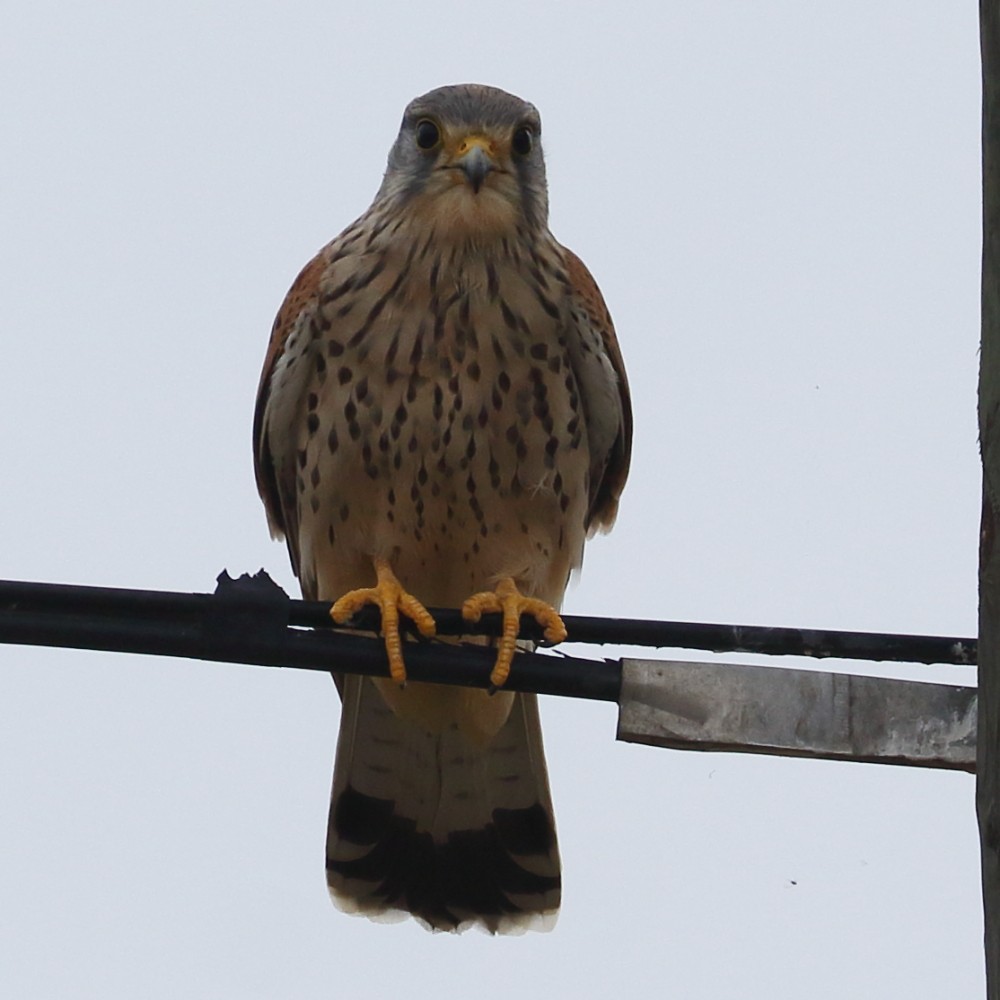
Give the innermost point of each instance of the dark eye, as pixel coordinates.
(428, 134)
(522, 140)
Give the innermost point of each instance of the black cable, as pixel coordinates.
(252, 620)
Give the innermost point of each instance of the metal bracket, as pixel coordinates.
(800, 713)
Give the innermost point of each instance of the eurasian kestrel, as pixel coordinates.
(442, 419)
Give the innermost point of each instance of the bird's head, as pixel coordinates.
(468, 159)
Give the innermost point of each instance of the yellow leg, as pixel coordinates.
(508, 600)
(391, 598)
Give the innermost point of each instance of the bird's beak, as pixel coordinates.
(474, 157)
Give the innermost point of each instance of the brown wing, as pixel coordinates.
(604, 493)
(276, 483)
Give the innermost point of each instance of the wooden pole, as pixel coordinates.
(988, 754)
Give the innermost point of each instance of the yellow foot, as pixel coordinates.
(508, 600)
(391, 598)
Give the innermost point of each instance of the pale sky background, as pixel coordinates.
(780, 201)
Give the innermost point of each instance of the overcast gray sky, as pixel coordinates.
(780, 202)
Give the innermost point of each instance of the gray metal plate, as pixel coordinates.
(800, 713)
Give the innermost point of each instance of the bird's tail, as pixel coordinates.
(439, 826)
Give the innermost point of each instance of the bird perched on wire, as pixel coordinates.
(442, 418)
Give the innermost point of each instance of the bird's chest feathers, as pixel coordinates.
(441, 365)
(429, 314)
